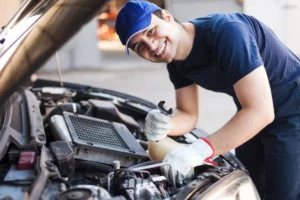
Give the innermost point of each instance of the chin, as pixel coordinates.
(169, 60)
(161, 61)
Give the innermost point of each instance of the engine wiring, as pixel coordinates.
(121, 175)
(163, 191)
(155, 165)
(116, 179)
(122, 181)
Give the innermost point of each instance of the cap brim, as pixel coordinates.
(126, 46)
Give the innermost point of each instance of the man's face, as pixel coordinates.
(159, 42)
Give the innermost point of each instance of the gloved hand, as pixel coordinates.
(157, 125)
(183, 159)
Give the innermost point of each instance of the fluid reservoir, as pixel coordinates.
(158, 150)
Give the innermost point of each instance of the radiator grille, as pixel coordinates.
(96, 132)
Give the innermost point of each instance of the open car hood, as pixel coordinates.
(35, 33)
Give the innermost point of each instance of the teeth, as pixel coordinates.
(162, 48)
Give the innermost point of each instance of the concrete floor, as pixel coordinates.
(151, 82)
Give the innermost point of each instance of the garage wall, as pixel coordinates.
(283, 16)
(185, 10)
(81, 52)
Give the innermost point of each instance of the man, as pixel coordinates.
(234, 54)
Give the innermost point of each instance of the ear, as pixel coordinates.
(167, 16)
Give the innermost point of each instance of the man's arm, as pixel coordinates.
(254, 94)
(186, 114)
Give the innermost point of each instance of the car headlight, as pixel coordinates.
(236, 186)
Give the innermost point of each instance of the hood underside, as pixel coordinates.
(35, 33)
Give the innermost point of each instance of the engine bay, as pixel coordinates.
(78, 142)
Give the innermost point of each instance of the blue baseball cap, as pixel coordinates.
(134, 17)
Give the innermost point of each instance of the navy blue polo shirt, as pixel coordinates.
(226, 48)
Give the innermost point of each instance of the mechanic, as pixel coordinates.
(235, 54)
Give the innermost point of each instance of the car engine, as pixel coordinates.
(77, 142)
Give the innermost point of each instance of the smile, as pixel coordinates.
(161, 49)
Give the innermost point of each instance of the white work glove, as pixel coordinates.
(183, 159)
(157, 125)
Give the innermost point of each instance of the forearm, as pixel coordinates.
(243, 126)
(183, 122)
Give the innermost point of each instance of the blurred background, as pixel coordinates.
(94, 56)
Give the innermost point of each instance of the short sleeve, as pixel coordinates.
(236, 50)
(177, 78)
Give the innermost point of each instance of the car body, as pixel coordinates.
(80, 142)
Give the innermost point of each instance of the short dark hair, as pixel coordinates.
(160, 15)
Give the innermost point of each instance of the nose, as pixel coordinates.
(151, 44)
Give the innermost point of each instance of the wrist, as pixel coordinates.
(208, 160)
(210, 145)
(203, 147)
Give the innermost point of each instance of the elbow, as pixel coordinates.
(193, 119)
(192, 116)
(269, 115)
(265, 115)
(196, 121)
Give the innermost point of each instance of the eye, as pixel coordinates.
(151, 31)
(138, 47)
